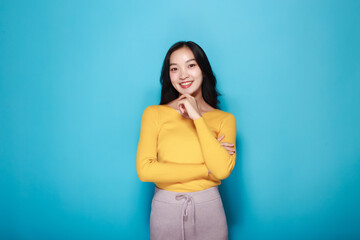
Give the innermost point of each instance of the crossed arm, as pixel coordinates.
(217, 159)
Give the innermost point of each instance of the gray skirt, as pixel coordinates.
(188, 215)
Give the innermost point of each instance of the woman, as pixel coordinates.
(180, 151)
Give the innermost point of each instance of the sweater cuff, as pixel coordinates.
(199, 121)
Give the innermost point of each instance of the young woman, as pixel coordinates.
(180, 151)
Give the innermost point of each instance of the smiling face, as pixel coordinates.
(185, 73)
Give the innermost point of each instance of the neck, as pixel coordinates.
(200, 100)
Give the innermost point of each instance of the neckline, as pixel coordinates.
(181, 115)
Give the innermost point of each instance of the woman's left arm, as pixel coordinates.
(217, 159)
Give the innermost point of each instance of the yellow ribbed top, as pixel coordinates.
(176, 153)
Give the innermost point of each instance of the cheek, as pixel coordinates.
(173, 76)
(197, 72)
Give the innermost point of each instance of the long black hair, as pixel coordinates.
(208, 87)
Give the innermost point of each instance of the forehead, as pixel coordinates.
(181, 55)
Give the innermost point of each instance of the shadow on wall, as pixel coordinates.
(147, 190)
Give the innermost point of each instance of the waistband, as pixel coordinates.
(198, 196)
(188, 201)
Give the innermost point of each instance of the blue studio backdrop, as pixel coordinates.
(75, 77)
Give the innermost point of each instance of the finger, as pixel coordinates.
(179, 103)
(181, 109)
(221, 137)
(228, 144)
(229, 148)
(187, 95)
(182, 97)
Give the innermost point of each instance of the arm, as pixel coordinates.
(147, 166)
(217, 159)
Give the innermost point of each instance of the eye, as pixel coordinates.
(173, 69)
(192, 65)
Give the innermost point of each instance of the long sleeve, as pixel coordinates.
(217, 159)
(148, 168)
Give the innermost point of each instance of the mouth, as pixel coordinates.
(186, 84)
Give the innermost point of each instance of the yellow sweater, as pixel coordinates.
(176, 153)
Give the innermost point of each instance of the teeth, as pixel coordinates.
(182, 84)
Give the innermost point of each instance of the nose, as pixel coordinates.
(183, 74)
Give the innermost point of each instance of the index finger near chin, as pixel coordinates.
(188, 95)
(179, 103)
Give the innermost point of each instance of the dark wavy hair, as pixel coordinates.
(208, 87)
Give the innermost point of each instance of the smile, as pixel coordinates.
(186, 84)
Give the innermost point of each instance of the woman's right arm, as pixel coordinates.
(149, 169)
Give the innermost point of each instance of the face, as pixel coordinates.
(185, 73)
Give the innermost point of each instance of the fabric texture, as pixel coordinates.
(176, 153)
(188, 215)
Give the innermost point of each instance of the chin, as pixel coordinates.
(190, 91)
(186, 91)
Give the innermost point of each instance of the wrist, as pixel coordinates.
(197, 116)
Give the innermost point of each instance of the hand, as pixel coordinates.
(228, 146)
(188, 107)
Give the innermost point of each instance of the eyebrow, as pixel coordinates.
(186, 61)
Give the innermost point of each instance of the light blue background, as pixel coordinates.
(75, 77)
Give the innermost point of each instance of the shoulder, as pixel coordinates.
(223, 114)
(150, 116)
(152, 108)
(227, 120)
(156, 110)
(220, 119)
(150, 112)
